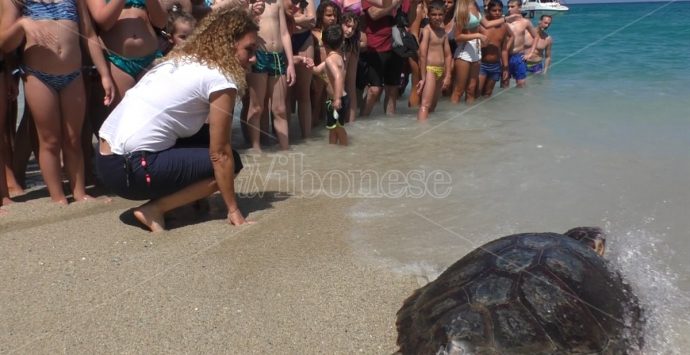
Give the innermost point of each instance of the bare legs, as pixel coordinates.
(415, 73)
(318, 98)
(122, 81)
(337, 135)
(59, 118)
(373, 94)
(4, 141)
(301, 90)
(430, 96)
(351, 87)
(151, 214)
(486, 85)
(262, 86)
(466, 77)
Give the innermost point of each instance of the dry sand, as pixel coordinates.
(85, 279)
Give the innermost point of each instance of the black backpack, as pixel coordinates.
(404, 43)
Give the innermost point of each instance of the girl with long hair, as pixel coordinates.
(468, 18)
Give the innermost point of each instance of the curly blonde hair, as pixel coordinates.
(214, 40)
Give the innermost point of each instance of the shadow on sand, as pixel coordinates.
(210, 209)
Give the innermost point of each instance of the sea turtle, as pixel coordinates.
(530, 293)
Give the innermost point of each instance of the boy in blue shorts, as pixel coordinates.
(518, 26)
(494, 64)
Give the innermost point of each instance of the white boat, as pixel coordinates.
(535, 8)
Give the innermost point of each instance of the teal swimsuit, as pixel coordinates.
(272, 63)
(132, 66)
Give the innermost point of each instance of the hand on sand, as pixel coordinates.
(236, 218)
(109, 90)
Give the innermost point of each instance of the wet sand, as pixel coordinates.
(85, 279)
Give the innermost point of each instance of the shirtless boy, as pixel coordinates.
(435, 60)
(540, 60)
(494, 64)
(518, 26)
(332, 70)
(273, 72)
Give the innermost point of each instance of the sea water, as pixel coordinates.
(603, 139)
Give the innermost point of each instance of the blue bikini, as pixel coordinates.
(54, 11)
(63, 10)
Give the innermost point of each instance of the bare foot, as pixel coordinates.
(150, 217)
(15, 191)
(6, 201)
(62, 202)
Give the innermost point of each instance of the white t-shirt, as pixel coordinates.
(169, 102)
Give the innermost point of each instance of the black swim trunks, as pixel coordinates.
(336, 118)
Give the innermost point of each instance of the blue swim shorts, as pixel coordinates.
(517, 66)
(490, 70)
(331, 121)
(535, 68)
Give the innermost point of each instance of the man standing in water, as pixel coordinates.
(518, 26)
(540, 60)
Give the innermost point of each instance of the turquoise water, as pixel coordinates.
(602, 140)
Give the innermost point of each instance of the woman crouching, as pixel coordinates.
(155, 144)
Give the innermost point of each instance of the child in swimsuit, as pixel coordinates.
(351, 38)
(333, 70)
(54, 86)
(435, 60)
(327, 14)
(303, 14)
(127, 31)
(494, 64)
(270, 77)
(468, 17)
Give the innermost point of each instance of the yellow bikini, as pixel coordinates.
(436, 70)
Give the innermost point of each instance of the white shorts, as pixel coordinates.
(469, 51)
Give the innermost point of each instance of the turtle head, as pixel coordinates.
(593, 237)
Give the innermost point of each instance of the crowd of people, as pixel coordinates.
(157, 80)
